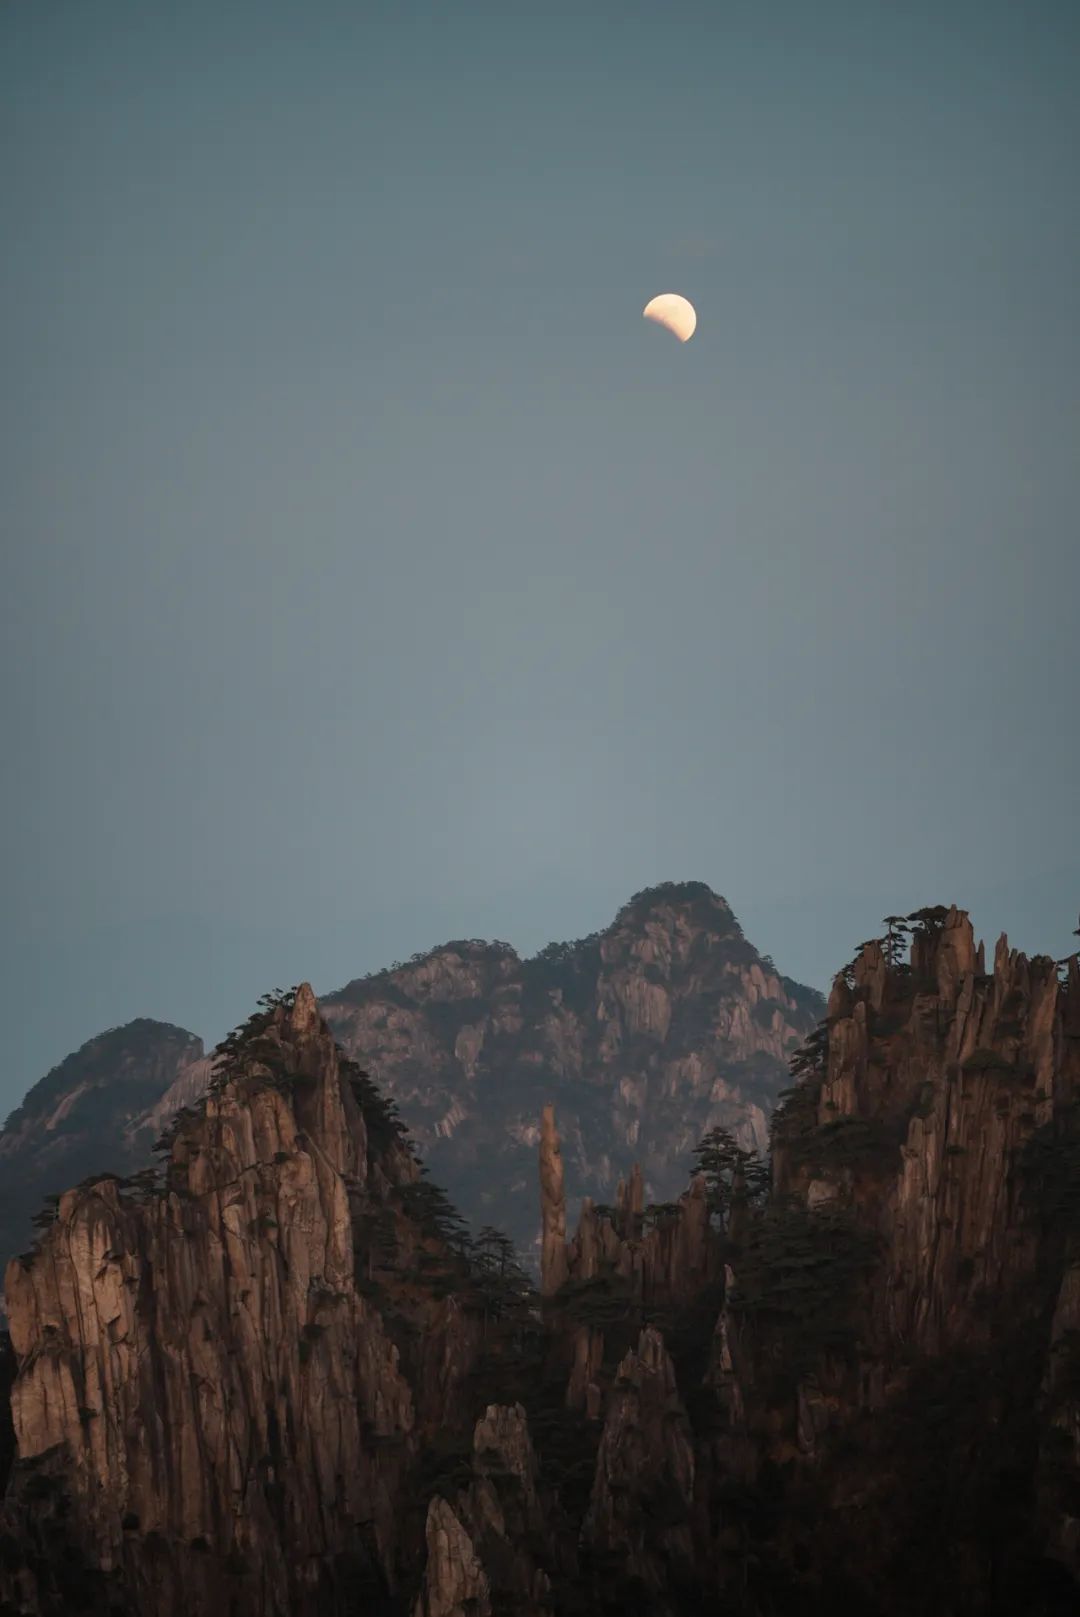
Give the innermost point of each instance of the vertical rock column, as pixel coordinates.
(553, 1264)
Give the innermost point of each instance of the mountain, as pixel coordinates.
(274, 1377)
(98, 1111)
(644, 1036)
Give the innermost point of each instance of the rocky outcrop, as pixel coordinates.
(643, 1037)
(639, 1517)
(481, 1553)
(910, 1292)
(455, 1583)
(936, 1081)
(235, 1414)
(553, 1267)
(625, 1261)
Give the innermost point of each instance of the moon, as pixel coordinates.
(676, 313)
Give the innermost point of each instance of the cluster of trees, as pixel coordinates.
(673, 892)
(797, 1280)
(901, 931)
(794, 1120)
(736, 1179)
(567, 954)
(382, 1120)
(247, 1042)
(465, 945)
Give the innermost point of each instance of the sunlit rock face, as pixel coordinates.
(201, 1368)
(642, 1036)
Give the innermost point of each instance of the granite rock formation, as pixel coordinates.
(181, 1343)
(276, 1377)
(643, 1036)
(899, 1339)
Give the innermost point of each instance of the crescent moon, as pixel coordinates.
(676, 313)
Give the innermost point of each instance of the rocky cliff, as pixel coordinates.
(211, 1411)
(279, 1376)
(274, 1376)
(643, 1036)
(897, 1406)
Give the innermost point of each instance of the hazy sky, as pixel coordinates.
(374, 574)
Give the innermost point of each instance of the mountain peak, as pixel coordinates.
(118, 1054)
(82, 1117)
(666, 1023)
(695, 899)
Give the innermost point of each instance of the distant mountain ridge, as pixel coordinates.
(96, 1112)
(644, 1035)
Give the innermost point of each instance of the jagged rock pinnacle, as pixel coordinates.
(553, 1269)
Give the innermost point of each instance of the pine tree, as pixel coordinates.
(734, 1177)
(894, 942)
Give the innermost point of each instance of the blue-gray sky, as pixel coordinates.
(374, 574)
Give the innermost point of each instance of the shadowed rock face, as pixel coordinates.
(902, 1324)
(641, 1505)
(498, 1517)
(888, 1416)
(643, 1037)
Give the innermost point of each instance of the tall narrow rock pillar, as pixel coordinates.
(553, 1265)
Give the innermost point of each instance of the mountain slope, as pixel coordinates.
(94, 1113)
(643, 1036)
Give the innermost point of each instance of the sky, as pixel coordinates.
(373, 573)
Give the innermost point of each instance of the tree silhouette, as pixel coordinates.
(895, 940)
(734, 1177)
(502, 1288)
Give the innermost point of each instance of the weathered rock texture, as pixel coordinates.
(640, 1511)
(643, 1036)
(231, 1410)
(278, 1380)
(900, 1335)
(553, 1267)
(872, 1389)
(481, 1554)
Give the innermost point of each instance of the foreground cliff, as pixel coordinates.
(205, 1400)
(280, 1377)
(644, 1036)
(898, 1408)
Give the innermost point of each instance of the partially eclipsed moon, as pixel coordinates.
(676, 313)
